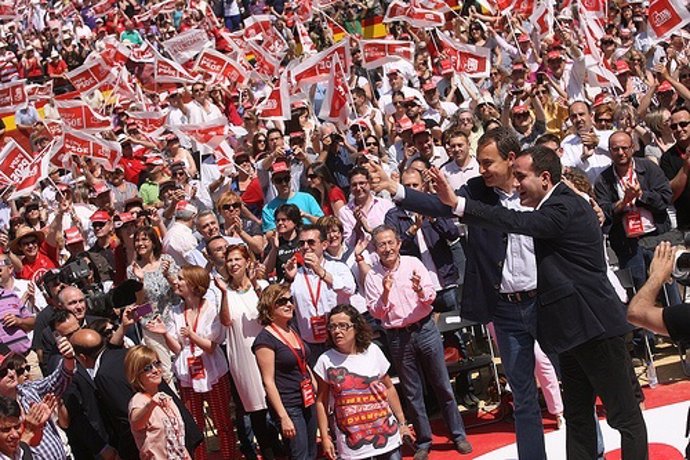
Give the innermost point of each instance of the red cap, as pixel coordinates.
(155, 160)
(280, 167)
(99, 187)
(601, 99)
(446, 66)
(405, 124)
(518, 66)
(522, 108)
(185, 206)
(73, 235)
(122, 218)
(429, 86)
(523, 38)
(621, 67)
(418, 128)
(392, 71)
(665, 87)
(553, 55)
(100, 216)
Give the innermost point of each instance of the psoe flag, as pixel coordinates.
(665, 17)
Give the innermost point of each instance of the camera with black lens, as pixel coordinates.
(681, 267)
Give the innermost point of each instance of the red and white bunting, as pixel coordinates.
(91, 75)
(151, 123)
(221, 67)
(317, 67)
(78, 115)
(665, 17)
(542, 19)
(21, 169)
(335, 107)
(12, 96)
(468, 59)
(376, 53)
(85, 145)
(276, 106)
(415, 16)
(185, 46)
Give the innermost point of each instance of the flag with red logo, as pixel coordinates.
(376, 53)
(185, 46)
(592, 8)
(665, 17)
(437, 5)
(304, 11)
(8, 11)
(257, 27)
(317, 67)
(211, 133)
(221, 67)
(276, 106)
(335, 107)
(265, 63)
(103, 7)
(168, 71)
(468, 59)
(495, 6)
(12, 96)
(413, 15)
(76, 114)
(542, 19)
(91, 75)
(79, 143)
(22, 170)
(304, 38)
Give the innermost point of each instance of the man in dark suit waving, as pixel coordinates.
(579, 315)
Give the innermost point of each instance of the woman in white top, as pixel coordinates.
(240, 315)
(194, 333)
(369, 420)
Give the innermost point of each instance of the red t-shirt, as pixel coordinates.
(253, 195)
(46, 259)
(133, 167)
(334, 195)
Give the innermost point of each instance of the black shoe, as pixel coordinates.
(422, 454)
(463, 446)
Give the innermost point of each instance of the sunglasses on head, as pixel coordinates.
(228, 206)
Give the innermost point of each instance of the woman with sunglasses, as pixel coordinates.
(659, 137)
(242, 291)
(259, 145)
(238, 227)
(284, 243)
(354, 375)
(155, 420)
(322, 186)
(282, 358)
(555, 110)
(193, 334)
(374, 148)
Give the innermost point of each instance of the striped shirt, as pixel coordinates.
(50, 447)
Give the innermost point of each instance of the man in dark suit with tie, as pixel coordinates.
(579, 316)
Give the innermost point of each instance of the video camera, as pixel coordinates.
(681, 264)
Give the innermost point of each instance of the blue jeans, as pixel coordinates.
(392, 455)
(303, 445)
(416, 353)
(516, 332)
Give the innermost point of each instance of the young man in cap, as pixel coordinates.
(105, 244)
(154, 176)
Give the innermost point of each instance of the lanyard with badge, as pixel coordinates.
(317, 322)
(633, 223)
(194, 363)
(305, 385)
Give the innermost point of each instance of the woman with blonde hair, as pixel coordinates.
(659, 136)
(194, 333)
(155, 420)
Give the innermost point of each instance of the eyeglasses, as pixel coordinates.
(539, 92)
(283, 301)
(98, 224)
(465, 120)
(180, 173)
(198, 90)
(604, 120)
(30, 242)
(19, 371)
(151, 366)
(624, 148)
(340, 326)
(398, 102)
(281, 180)
(261, 141)
(228, 206)
(371, 144)
(312, 176)
(309, 242)
(680, 124)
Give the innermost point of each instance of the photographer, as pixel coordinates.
(673, 321)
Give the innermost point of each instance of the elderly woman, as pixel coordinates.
(241, 229)
(354, 374)
(155, 420)
(194, 333)
(282, 357)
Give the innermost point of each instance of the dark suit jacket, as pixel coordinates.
(438, 236)
(485, 249)
(656, 197)
(576, 302)
(114, 394)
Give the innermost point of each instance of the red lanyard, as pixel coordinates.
(196, 323)
(314, 300)
(301, 357)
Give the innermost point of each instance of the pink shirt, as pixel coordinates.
(404, 305)
(375, 212)
(163, 437)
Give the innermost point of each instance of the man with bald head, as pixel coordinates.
(634, 195)
(106, 367)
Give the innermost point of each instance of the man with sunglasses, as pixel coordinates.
(104, 247)
(675, 162)
(317, 286)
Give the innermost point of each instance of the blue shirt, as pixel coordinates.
(304, 201)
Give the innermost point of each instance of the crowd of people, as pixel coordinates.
(155, 279)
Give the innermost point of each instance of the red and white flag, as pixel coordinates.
(257, 27)
(335, 107)
(436, 5)
(317, 67)
(103, 7)
(376, 53)
(592, 8)
(305, 11)
(40, 92)
(266, 64)
(276, 106)
(151, 123)
(665, 17)
(19, 168)
(304, 38)
(76, 114)
(599, 76)
(168, 71)
(8, 11)
(542, 19)
(12, 96)
(415, 16)
(468, 59)
(85, 145)
(211, 133)
(221, 67)
(91, 75)
(185, 46)
(114, 51)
